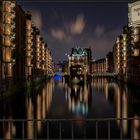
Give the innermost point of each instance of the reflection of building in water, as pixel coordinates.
(9, 129)
(44, 99)
(124, 112)
(49, 92)
(38, 109)
(118, 96)
(118, 103)
(99, 83)
(30, 116)
(43, 104)
(102, 84)
(126, 103)
(78, 98)
(136, 128)
(121, 103)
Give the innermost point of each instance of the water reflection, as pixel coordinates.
(43, 102)
(136, 127)
(77, 97)
(9, 129)
(125, 100)
(38, 114)
(101, 97)
(30, 116)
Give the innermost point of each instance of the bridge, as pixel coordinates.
(60, 73)
(103, 74)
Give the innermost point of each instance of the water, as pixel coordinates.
(56, 99)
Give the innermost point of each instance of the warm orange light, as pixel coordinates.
(28, 24)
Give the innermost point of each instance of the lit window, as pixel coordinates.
(7, 41)
(7, 30)
(136, 52)
(136, 31)
(136, 38)
(7, 18)
(28, 23)
(28, 33)
(28, 61)
(7, 54)
(7, 7)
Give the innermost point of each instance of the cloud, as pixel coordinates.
(99, 30)
(37, 18)
(102, 44)
(58, 34)
(78, 25)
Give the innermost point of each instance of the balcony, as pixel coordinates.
(12, 26)
(13, 47)
(13, 4)
(13, 15)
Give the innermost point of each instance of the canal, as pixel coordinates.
(56, 99)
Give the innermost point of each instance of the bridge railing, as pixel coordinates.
(103, 74)
(67, 128)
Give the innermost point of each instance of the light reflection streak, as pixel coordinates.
(124, 113)
(136, 128)
(30, 116)
(38, 109)
(77, 98)
(9, 129)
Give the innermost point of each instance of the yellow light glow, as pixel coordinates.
(7, 41)
(7, 54)
(28, 24)
(7, 7)
(7, 18)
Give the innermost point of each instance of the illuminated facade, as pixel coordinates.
(43, 56)
(23, 53)
(79, 62)
(133, 70)
(100, 66)
(48, 61)
(37, 50)
(118, 55)
(28, 64)
(8, 38)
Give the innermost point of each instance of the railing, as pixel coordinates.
(67, 128)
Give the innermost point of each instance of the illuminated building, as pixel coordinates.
(118, 55)
(28, 64)
(43, 56)
(8, 38)
(23, 53)
(99, 66)
(48, 61)
(121, 52)
(34, 46)
(79, 62)
(134, 57)
(37, 50)
(133, 71)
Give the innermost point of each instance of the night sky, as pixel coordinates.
(64, 25)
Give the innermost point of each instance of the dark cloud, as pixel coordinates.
(86, 24)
